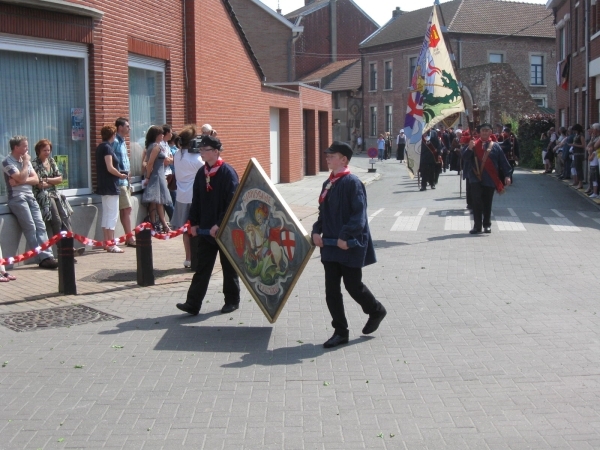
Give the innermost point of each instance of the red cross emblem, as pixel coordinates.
(414, 108)
(288, 242)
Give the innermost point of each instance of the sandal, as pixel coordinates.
(3, 279)
(115, 249)
(9, 276)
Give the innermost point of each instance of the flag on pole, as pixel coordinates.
(564, 82)
(435, 93)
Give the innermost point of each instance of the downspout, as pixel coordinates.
(291, 55)
(185, 71)
(587, 64)
(333, 13)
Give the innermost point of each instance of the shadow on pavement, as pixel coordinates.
(388, 244)
(161, 323)
(455, 236)
(289, 355)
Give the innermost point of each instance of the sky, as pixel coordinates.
(379, 10)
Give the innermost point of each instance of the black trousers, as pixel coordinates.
(207, 255)
(352, 276)
(427, 175)
(481, 201)
(468, 194)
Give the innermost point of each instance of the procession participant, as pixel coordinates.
(484, 158)
(510, 146)
(343, 219)
(401, 145)
(214, 188)
(455, 149)
(427, 163)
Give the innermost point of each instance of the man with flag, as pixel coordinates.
(342, 233)
(435, 95)
(483, 160)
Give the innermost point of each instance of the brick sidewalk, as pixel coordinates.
(101, 275)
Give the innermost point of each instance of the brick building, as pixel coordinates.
(517, 36)
(577, 25)
(333, 30)
(104, 61)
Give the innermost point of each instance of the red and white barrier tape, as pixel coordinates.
(92, 242)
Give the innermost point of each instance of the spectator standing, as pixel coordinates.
(577, 150)
(187, 164)
(165, 148)
(107, 184)
(124, 167)
(380, 147)
(156, 193)
(20, 178)
(558, 151)
(359, 143)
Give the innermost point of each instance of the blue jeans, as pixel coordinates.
(381, 151)
(28, 214)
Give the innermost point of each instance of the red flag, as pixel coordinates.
(565, 74)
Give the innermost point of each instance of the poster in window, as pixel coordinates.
(62, 162)
(77, 124)
(264, 241)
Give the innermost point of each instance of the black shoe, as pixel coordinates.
(487, 230)
(423, 189)
(469, 207)
(186, 307)
(374, 321)
(432, 187)
(335, 340)
(48, 263)
(228, 308)
(474, 231)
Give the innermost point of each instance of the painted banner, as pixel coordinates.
(264, 241)
(77, 124)
(435, 93)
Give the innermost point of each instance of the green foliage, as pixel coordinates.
(530, 129)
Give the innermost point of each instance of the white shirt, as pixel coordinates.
(187, 166)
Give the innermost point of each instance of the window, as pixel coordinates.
(412, 66)
(44, 96)
(146, 104)
(576, 28)
(388, 74)
(537, 70)
(540, 100)
(373, 76)
(388, 118)
(336, 100)
(561, 44)
(373, 121)
(576, 106)
(496, 58)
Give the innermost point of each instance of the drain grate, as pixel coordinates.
(63, 316)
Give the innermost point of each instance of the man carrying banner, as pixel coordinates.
(342, 233)
(214, 188)
(483, 160)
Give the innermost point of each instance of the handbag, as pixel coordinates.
(172, 182)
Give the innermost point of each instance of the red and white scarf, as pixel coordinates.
(213, 171)
(332, 179)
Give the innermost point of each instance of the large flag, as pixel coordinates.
(435, 93)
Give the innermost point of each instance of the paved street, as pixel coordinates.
(491, 341)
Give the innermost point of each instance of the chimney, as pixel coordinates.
(278, 11)
(308, 2)
(397, 12)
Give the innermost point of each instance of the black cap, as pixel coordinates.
(209, 141)
(340, 147)
(484, 125)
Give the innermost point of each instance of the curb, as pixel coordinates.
(372, 179)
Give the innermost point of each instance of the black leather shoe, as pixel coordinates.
(374, 321)
(487, 230)
(335, 340)
(432, 187)
(474, 231)
(48, 263)
(423, 189)
(186, 307)
(228, 308)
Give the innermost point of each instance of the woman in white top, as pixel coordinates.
(187, 164)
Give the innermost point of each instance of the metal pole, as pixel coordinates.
(66, 267)
(143, 253)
